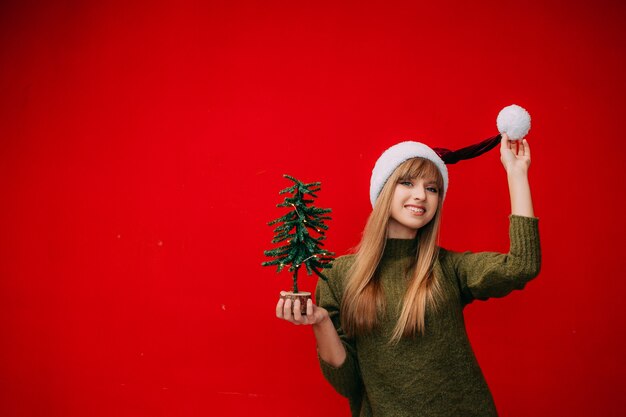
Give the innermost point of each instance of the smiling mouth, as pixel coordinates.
(416, 210)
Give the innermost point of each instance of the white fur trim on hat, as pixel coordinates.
(396, 155)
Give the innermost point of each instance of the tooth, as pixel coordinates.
(416, 210)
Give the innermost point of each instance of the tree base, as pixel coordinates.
(302, 296)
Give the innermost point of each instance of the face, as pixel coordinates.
(413, 205)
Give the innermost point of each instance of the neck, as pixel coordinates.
(399, 248)
(397, 231)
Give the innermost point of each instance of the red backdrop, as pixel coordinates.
(142, 150)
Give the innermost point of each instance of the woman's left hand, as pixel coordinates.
(515, 155)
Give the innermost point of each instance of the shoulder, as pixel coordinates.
(343, 262)
(337, 274)
(449, 260)
(448, 257)
(457, 259)
(340, 267)
(329, 291)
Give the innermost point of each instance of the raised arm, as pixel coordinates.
(516, 161)
(484, 275)
(490, 274)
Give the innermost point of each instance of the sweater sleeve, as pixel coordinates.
(346, 379)
(490, 274)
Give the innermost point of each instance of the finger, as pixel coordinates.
(504, 143)
(526, 148)
(297, 313)
(279, 308)
(510, 144)
(309, 308)
(287, 310)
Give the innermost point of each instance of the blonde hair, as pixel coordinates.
(363, 298)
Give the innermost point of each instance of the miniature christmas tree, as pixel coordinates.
(302, 231)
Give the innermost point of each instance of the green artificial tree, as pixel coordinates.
(301, 232)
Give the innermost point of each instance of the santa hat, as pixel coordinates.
(512, 120)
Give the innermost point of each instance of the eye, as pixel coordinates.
(432, 189)
(406, 183)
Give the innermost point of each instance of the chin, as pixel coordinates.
(420, 224)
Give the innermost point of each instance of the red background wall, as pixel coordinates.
(142, 150)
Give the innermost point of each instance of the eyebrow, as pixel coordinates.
(430, 181)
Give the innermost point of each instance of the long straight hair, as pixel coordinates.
(363, 299)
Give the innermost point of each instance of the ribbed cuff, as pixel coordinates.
(524, 235)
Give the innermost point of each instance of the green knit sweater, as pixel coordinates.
(435, 374)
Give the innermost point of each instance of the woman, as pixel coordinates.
(389, 321)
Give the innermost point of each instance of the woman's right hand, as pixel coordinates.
(314, 314)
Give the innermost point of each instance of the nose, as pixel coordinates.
(419, 192)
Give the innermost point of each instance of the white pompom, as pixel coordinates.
(514, 121)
